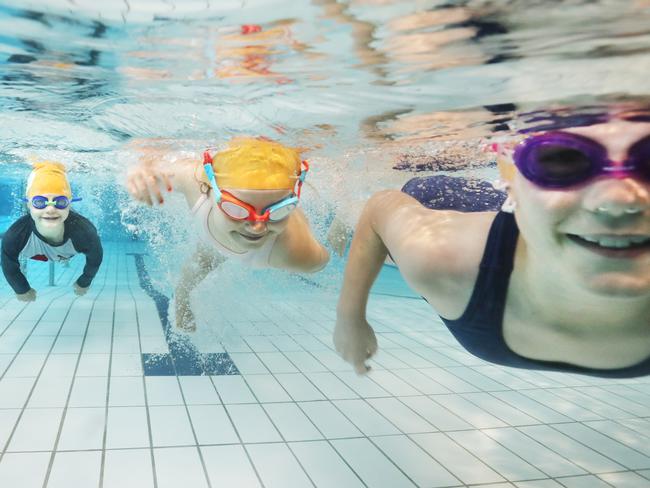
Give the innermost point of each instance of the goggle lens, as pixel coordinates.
(282, 212)
(234, 211)
(558, 164)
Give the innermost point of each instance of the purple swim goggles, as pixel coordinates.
(562, 159)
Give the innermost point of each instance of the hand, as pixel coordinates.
(338, 236)
(79, 290)
(28, 296)
(184, 316)
(355, 341)
(144, 183)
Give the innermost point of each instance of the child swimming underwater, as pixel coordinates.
(51, 231)
(244, 202)
(558, 279)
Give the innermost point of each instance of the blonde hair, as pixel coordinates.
(48, 177)
(257, 164)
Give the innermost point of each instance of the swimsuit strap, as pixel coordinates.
(487, 303)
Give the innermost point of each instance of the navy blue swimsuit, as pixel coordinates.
(480, 329)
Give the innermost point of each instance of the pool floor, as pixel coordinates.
(97, 391)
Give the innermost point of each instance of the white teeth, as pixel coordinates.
(617, 242)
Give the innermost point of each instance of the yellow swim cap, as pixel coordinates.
(257, 164)
(48, 177)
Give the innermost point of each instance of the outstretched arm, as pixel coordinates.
(381, 228)
(195, 269)
(162, 168)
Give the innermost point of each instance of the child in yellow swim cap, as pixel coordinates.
(50, 232)
(244, 202)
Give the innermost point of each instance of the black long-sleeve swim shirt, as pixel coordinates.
(79, 236)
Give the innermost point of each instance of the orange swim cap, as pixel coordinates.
(48, 177)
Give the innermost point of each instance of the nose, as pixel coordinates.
(618, 197)
(256, 228)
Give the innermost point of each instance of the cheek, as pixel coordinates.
(542, 213)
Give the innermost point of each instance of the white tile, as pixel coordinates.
(392, 384)
(83, 429)
(127, 427)
(305, 362)
(50, 392)
(229, 466)
(90, 391)
(163, 390)
(126, 365)
(24, 470)
(248, 363)
(437, 415)
(499, 409)
(37, 429)
(266, 388)
(329, 420)
(362, 385)
(324, 466)
(126, 391)
(610, 448)
(421, 382)
(535, 453)
(198, 390)
(461, 463)
(126, 345)
(25, 365)
(366, 418)
(129, 468)
(534, 409)
(331, 386)
(75, 469)
(299, 387)
(233, 389)
(276, 362)
(468, 411)
(277, 466)
(5, 359)
(212, 425)
(625, 480)
(59, 365)
(14, 391)
(374, 468)
(569, 409)
(449, 380)
(38, 345)
(8, 418)
(252, 424)
(588, 481)
(414, 462)
(292, 423)
(97, 344)
(400, 415)
(93, 364)
(179, 466)
(503, 461)
(170, 426)
(68, 344)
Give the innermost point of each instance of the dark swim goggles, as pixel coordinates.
(61, 202)
(563, 159)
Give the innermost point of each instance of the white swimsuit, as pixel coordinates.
(257, 258)
(42, 251)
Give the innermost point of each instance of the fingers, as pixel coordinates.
(145, 186)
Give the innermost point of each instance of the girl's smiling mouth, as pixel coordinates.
(610, 245)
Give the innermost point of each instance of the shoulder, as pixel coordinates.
(81, 230)
(18, 233)
(296, 248)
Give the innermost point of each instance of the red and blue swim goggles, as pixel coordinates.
(237, 209)
(558, 160)
(60, 202)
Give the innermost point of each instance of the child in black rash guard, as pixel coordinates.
(51, 231)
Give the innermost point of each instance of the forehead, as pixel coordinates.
(260, 198)
(616, 134)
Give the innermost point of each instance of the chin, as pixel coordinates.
(620, 285)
